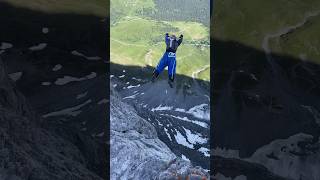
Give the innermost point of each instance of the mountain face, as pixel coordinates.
(266, 87)
(180, 115)
(54, 96)
(30, 151)
(136, 150)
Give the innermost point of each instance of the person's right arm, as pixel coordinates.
(167, 38)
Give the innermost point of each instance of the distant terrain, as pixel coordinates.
(266, 88)
(138, 29)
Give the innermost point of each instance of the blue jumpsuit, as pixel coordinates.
(169, 57)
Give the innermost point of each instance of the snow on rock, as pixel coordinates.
(134, 78)
(103, 101)
(38, 47)
(201, 111)
(46, 83)
(131, 86)
(202, 124)
(195, 138)
(180, 139)
(136, 151)
(68, 79)
(57, 67)
(93, 58)
(5, 45)
(45, 30)
(180, 110)
(15, 76)
(162, 108)
(29, 150)
(167, 133)
(205, 151)
(72, 111)
(185, 158)
(79, 96)
(294, 157)
(131, 97)
(100, 134)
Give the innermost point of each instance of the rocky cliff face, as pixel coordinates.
(266, 111)
(28, 151)
(137, 152)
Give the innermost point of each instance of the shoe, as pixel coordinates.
(170, 83)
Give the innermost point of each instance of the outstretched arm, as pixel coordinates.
(180, 40)
(167, 38)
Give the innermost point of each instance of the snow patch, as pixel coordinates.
(131, 86)
(185, 158)
(38, 47)
(68, 79)
(57, 67)
(182, 140)
(122, 76)
(136, 79)
(200, 111)
(180, 110)
(103, 101)
(166, 131)
(100, 134)
(15, 76)
(79, 96)
(45, 30)
(195, 138)
(253, 77)
(162, 108)
(72, 111)
(93, 58)
(205, 151)
(46, 83)
(291, 157)
(5, 45)
(202, 124)
(131, 97)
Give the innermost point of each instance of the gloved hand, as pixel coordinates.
(167, 34)
(181, 36)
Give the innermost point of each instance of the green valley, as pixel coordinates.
(137, 38)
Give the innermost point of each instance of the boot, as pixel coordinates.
(170, 82)
(154, 76)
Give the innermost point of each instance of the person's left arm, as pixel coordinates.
(180, 40)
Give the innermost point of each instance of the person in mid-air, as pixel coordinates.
(168, 58)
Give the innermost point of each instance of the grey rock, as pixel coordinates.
(137, 152)
(28, 151)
